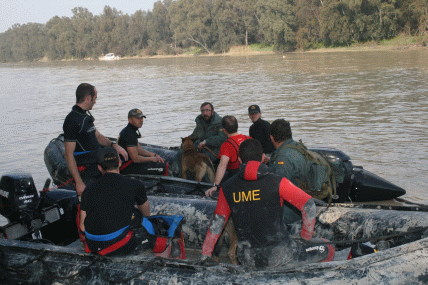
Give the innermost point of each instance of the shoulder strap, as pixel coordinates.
(235, 146)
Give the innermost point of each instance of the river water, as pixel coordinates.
(372, 105)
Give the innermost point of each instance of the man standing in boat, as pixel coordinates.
(208, 134)
(254, 199)
(141, 161)
(82, 140)
(228, 153)
(260, 129)
(107, 210)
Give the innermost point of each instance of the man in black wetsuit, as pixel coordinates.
(141, 161)
(260, 129)
(107, 210)
(254, 199)
(82, 140)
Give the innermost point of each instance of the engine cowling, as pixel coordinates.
(19, 197)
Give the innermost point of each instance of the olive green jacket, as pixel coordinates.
(289, 162)
(211, 132)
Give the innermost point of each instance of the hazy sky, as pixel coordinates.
(41, 11)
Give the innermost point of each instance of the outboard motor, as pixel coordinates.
(355, 183)
(19, 197)
(19, 203)
(55, 161)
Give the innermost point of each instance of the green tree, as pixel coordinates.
(191, 20)
(308, 21)
(55, 28)
(83, 26)
(229, 26)
(138, 31)
(336, 23)
(278, 22)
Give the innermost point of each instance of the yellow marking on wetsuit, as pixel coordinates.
(252, 195)
(281, 162)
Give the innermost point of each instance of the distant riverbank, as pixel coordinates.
(398, 43)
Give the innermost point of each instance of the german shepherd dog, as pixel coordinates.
(196, 162)
(200, 164)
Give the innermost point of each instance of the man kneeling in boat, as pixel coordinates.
(140, 161)
(254, 199)
(107, 210)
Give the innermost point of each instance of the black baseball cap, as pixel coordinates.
(136, 113)
(107, 157)
(254, 109)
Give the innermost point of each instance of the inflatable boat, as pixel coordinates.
(356, 184)
(40, 244)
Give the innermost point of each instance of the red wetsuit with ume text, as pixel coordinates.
(254, 198)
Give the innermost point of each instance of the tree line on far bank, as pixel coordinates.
(214, 26)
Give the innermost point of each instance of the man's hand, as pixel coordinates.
(266, 159)
(120, 150)
(204, 257)
(157, 158)
(80, 187)
(202, 144)
(210, 191)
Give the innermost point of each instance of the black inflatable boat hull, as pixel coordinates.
(358, 184)
(406, 262)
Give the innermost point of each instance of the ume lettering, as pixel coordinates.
(242, 196)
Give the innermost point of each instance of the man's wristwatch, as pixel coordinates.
(112, 143)
(216, 185)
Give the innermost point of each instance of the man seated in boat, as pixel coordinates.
(140, 161)
(228, 155)
(107, 209)
(294, 161)
(82, 140)
(260, 129)
(208, 134)
(290, 161)
(254, 199)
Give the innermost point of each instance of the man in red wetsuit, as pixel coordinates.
(228, 153)
(254, 199)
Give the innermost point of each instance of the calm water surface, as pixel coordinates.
(371, 105)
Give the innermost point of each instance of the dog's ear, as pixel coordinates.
(193, 139)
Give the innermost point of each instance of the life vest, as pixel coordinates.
(169, 237)
(235, 164)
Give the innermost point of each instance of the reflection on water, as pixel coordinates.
(371, 105)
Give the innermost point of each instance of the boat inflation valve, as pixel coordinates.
(382, 245)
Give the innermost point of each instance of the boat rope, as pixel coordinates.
(148, 264)
(424, 207)
(20, 267)
(51, 273)
(371, 239)
(156, 261)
